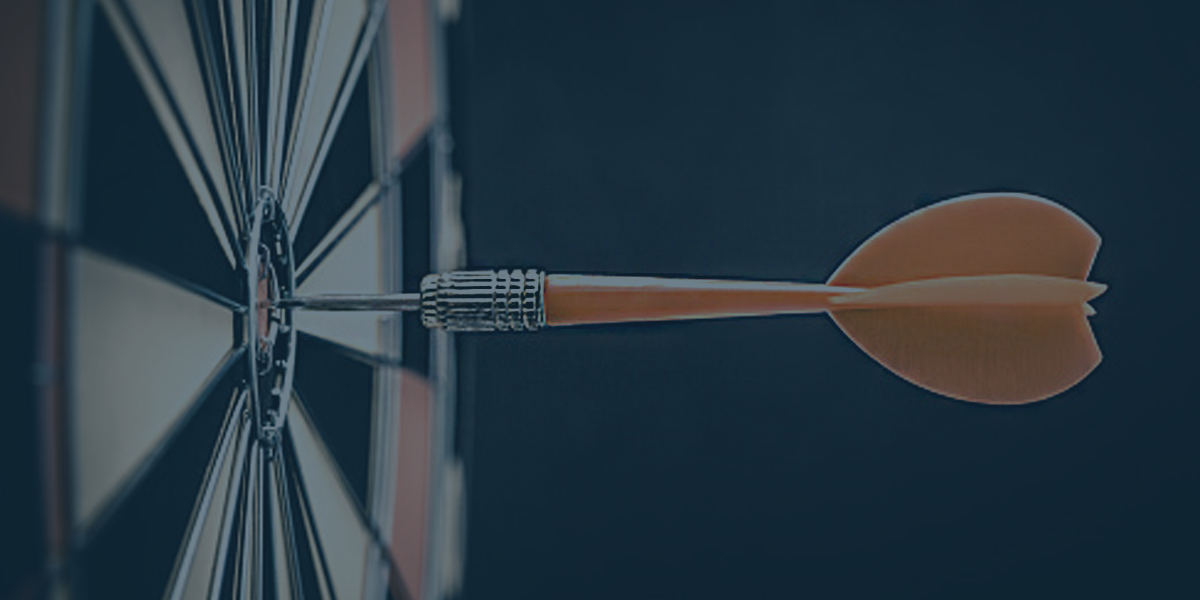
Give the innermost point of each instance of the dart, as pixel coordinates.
(982, 298)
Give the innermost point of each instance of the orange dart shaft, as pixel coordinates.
(588, 299)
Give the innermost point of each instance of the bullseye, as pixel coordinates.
(270, 277)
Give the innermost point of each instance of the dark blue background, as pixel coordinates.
(770, 457)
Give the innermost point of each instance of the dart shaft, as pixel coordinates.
(499, 300)
(528, 300)
(353, 302)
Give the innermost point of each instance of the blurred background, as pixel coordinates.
(729, 458)
(771, 457)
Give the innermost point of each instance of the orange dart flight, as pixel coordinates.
(981, 298)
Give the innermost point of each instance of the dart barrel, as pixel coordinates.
(493, 300)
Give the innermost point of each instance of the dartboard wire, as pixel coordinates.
(386, 181)
(170, 117)
(248, 564)
(245, 537)
(234, 28)
(377, 538)
(304, 507)
(232, 501)
(377, 542)
(304, 556)
(313, 46)
(271, 544)
(58, 120)
(298, 183)
(240, 555)
(128, 260)
(232, 429)
(385, 407)
(447, 253)
(288, 523)
(279, 558)
(371, 195)
(363, 48)
(233, 108)
(121, 16)
(381, 103)
(116, 498)
(251, 30)
(283, 43)
(219, 106)
(257, 513)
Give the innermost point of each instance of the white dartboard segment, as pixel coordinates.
(338, 525)
(156, 36)
(352, 266)
(142, 352)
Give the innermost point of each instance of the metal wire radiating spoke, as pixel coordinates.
(287, 524)
(299, 180)
(281, 108)
(231, 106)
(209, 39)
(371, 196)
(219, 373)
(304, 507)
(173, 119)
(230, 430)
(232, 495)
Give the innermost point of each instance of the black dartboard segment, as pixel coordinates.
(346, 173)
(337, 389)
(132, 550)
(138, 202)
(22, 545)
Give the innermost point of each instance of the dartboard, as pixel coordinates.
(169, 168)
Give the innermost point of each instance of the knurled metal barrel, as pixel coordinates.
(500, 300)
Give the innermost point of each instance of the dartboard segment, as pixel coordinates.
(343, 270)
(157, 38)
(412, 74)
(126, 402)
(131, 552)
(346, 185)
(138, 199)
(337, 46)
(213, 511)
(335, 518)
(338, 391)
(21, 43)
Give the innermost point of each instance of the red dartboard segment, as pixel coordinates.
(20, 61)
(409, 524)
(412, 75)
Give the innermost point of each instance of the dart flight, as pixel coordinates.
(981, 298)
